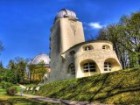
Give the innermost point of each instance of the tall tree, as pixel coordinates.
(37, 71)
(131, 36)
(1, 65)
(125, 36)
(1, 46)
(18, 67)
(11, 65)
(21, 68)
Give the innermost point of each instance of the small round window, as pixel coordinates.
(86, 48)
(72, 53)
(105, 47)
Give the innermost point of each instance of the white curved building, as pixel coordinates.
(71, 56)
(40, 61)
(41, 58)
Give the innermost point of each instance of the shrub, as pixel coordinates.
(6, 85)
(11, 90)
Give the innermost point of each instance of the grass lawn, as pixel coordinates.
(18, 100)
(121, 87)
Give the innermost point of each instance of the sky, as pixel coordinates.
(25, 24)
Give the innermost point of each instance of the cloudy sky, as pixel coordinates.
(25, 24)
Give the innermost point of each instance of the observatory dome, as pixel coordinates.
(41, 58)
(66, 13)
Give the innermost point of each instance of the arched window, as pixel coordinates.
(86, 48)
(105, 47)
(107, 66)
(71, 69)
(89, 67)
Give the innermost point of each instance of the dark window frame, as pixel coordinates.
(71, 69)
(107, 66)
(89, 67)
(88, 47)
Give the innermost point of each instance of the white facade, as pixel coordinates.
(41, 58)
(71, 56)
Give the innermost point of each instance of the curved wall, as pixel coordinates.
(97, 54)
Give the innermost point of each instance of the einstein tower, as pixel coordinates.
(73, 57)
(66, 32)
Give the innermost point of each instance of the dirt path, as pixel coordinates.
(58, 101)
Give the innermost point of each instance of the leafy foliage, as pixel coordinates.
(1, 46)
(125, 37)
(17, 68)
(5, 85)
(12, 90)
(18, 100)
(37, 71)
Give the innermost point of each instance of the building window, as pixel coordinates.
(89, 67)
(107, 66)
(71, 69)
(86, 48)
(72, 53)
(105, 47)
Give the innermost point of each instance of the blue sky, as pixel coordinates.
(25, 24)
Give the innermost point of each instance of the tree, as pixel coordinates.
(42, 69)
(1, 46)
(113, 33)
(11, 65)
(132, 36)
(1, 66)
(2, 71)
(37, 71)
(21, 68)
(18, 67)
(9, 76)
(125, 36)
(13, 68)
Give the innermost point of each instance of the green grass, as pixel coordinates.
(23, 101)
(18, 100)
(2, 91)
(121, 87)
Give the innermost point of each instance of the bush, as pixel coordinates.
(11, 90)
(6, 85)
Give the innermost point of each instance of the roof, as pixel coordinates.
(91, 41)
(66, 13)
(41, 58)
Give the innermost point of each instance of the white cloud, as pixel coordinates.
(95, 25)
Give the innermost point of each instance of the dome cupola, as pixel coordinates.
(63, 13)
(41, 58)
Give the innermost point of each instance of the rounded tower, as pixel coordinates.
(66, 32)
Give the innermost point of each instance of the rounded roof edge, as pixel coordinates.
(41, 57)
(92, 41)
(106, 41)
